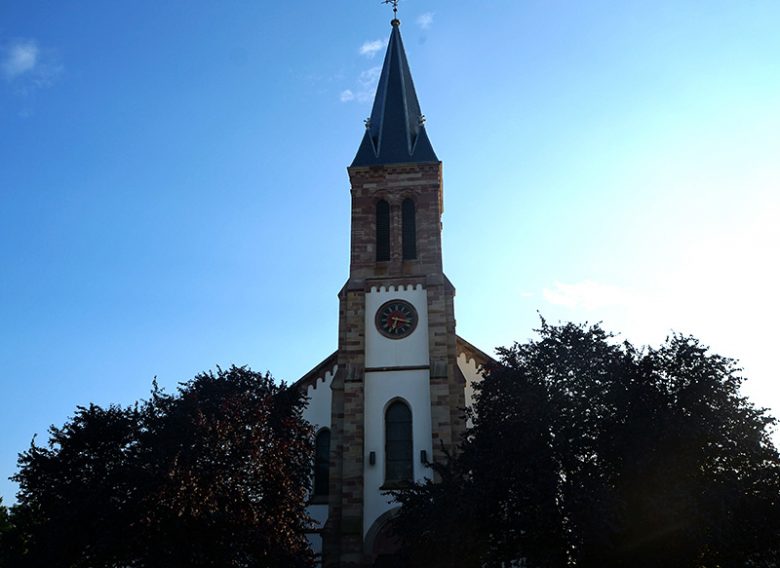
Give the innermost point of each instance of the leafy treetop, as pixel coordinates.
(588, 452)
(214, 475)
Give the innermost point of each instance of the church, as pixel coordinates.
(390, 399)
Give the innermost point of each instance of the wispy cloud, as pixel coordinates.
(371, 48)
(369, 77)
(365, 88)
(368, 80)
(587, 294)
(27, 66)
(19, 58)
(365, 84)
(425, 20)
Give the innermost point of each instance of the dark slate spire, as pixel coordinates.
(395, 133)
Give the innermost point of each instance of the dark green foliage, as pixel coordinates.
(590, 453)
(214, 475)
(9, 543)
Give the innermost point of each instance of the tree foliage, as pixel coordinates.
(214, 475)
(590, 453)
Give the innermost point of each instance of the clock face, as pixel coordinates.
(396, 319)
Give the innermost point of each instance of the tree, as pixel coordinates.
(591, 453)
(9, 545)
(214, 475)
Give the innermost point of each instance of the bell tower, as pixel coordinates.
(397, 393)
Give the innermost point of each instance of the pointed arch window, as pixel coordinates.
(408, 230)
(322, 462)
(398, 443)
(383, 230)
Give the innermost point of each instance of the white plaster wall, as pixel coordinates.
(469, 369)
(317, 411)
(382, 351)
(381, 388)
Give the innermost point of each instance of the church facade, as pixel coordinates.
(390, 399)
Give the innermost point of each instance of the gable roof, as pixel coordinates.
(463, 347)
(318, 372)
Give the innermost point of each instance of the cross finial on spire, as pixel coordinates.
(395, 7)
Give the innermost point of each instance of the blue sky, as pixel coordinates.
(173, 192)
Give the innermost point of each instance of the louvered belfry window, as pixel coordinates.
(398, 443)
(322, 462)
(383, 230)
(409, 230)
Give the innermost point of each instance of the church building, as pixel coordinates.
(390, 399)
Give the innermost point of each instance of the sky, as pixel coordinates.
(174, 195)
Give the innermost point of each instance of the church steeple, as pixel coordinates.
(395, 133)
(394, 389)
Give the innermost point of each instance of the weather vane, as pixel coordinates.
(395, 7)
